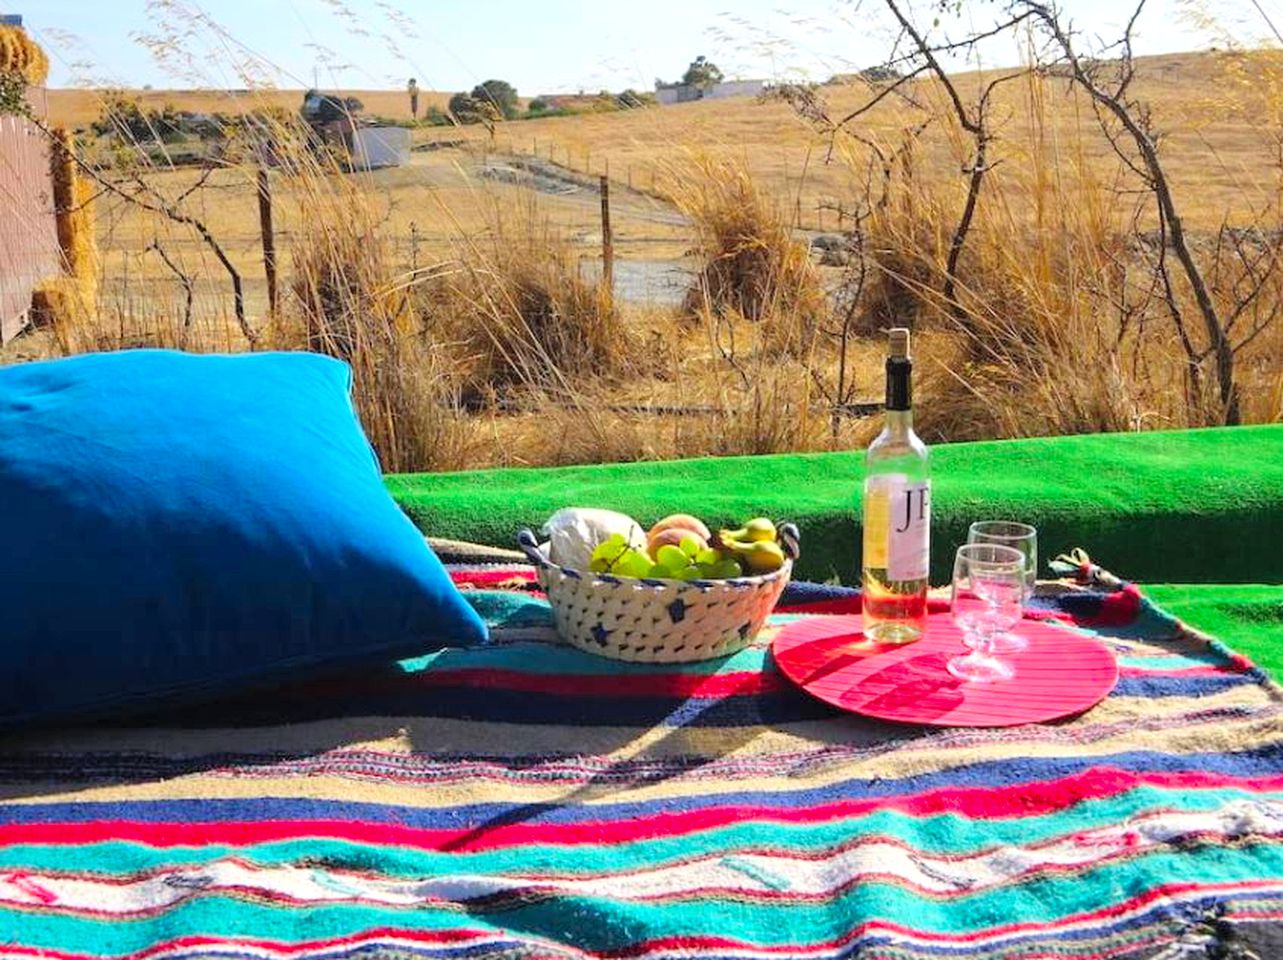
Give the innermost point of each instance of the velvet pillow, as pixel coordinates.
(178, 524)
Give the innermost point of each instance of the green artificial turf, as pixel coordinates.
(1197, 506)
(1247, 617)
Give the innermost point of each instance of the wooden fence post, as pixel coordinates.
(607, 240)
(269, 238)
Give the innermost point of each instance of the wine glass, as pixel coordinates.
(988, 585)
(1022, 537)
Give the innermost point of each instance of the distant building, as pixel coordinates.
(377, 147)
(667, 93)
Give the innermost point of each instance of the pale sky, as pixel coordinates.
(544, 46)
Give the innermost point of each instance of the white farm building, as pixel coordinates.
(667, 93)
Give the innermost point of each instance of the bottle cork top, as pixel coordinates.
(899, 342)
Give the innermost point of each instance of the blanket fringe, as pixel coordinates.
(1077, 564)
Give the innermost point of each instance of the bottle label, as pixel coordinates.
(897, 526)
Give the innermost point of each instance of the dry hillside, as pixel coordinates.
(78, 108)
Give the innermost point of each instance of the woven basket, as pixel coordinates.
(658, 621)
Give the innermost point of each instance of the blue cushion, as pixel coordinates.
(176, 523)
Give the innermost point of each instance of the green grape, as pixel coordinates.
(598, 565)
(688, 573)
(690, 547)
(728, 569)
(672, 557)
(708, 557)
(633, 564)
(610, 548)
(660, 572)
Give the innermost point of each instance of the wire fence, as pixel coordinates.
(816, 214)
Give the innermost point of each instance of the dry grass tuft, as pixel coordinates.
(349, 303)
(752, 264)
(515, 311)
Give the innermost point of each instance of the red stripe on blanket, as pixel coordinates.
(1026, 800)
(492, 579)
(748, 683)
(1117, 609)
(847, 605)
(1194, 670)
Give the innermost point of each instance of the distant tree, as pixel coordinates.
(879, 74)
(463, 108)
(412, 88)
(500, 95)
(702, 73)
(328, 107)
(538, 105)
(466, 108)
(124, 119)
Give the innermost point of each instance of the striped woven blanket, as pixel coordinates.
(525, 800)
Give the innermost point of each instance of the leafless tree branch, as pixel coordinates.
(159, 205)
(188, 288)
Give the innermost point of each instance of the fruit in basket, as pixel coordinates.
(674, 550)
(757, 556)
(757, 530)
(574, 533)
(680, 521)
(617, 555)
(674, 537)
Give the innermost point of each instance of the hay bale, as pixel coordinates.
(73, 215)
(21, 55)
(57, 303)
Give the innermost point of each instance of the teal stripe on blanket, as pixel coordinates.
(607, 925)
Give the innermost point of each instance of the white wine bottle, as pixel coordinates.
(897, 513)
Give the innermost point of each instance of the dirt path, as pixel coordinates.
(547, 177)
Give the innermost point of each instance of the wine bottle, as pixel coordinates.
(897, 513)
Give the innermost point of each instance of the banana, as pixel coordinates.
(758, 556)
(756, 530)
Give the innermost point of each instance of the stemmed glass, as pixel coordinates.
(1019, 536)
(988, 585)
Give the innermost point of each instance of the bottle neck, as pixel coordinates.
(899, 422)
(899, 397)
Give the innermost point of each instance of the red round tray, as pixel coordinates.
(1062, 672)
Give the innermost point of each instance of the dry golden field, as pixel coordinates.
(490, 272)
(77, 107)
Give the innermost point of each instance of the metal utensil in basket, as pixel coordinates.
(659, 621)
